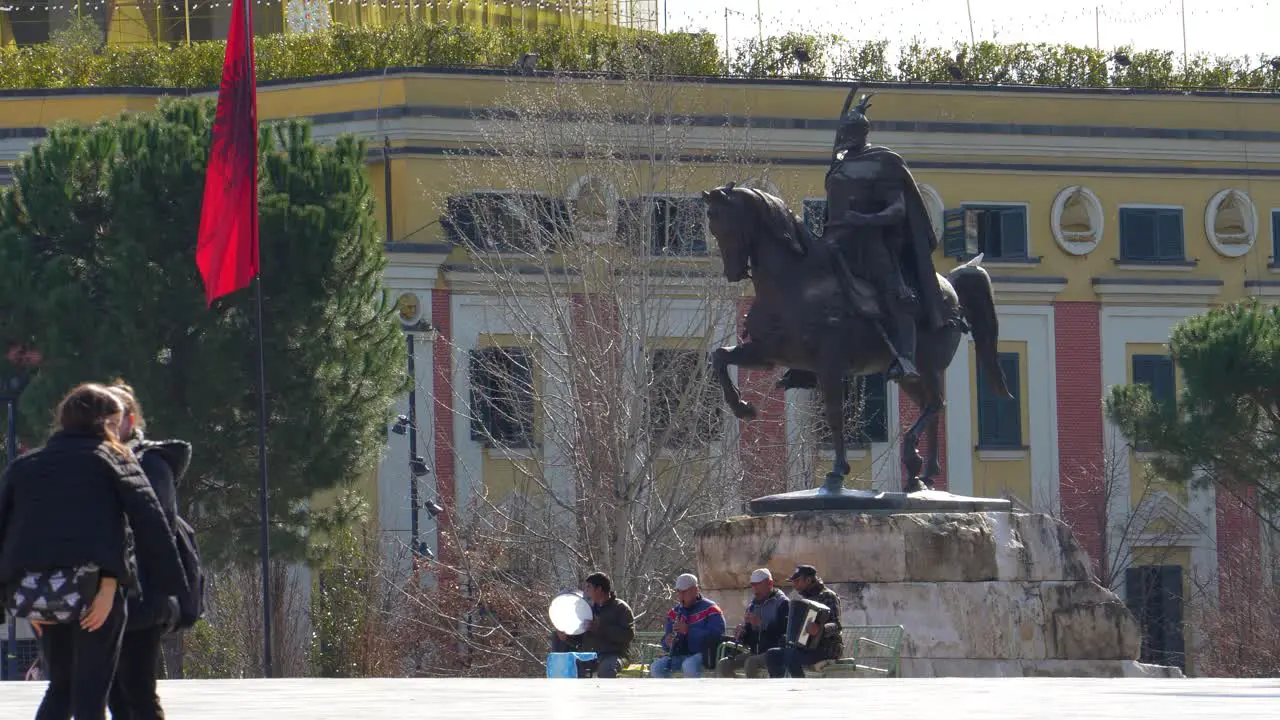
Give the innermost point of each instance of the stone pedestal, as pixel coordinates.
(979, 594)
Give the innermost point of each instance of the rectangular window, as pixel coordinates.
(1154, 596)
(1157, 373)
(815, 212)
(1151, 235)
(999, 232)
(1000, 418)
(1275, 237)
(502, 397)
(663, 225)
(504, 222)
(685, 408)
(866, 412)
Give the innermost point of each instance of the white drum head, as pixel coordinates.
(570, 613)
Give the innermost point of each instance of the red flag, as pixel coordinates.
(227, 248)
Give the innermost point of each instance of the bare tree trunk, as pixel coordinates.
(590, 380)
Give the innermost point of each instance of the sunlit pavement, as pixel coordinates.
(537, 699)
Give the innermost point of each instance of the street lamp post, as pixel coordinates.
(412, 322)
(22, 364)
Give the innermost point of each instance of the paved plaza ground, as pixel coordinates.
(904, 699)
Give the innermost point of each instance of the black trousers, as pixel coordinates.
(133, 694)
(81, 666)
(784, 660)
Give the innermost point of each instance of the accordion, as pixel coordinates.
(803, 613)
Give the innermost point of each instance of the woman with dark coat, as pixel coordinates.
(151, 616)
(64, 506)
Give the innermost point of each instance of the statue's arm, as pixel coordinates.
(894, 212)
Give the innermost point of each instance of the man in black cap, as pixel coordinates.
(790, 659)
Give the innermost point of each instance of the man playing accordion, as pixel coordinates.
(790, 658)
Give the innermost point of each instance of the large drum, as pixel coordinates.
(803, 613)
(570, 613)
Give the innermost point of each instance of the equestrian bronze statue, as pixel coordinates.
(862, 298)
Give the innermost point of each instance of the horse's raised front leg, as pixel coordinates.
(746, 355)
(831, 385)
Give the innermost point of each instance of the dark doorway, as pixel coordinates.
(1154, 596)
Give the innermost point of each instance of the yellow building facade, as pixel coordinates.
(1105, 217)
(139, 22)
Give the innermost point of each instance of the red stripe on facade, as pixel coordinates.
(908, 411)
(762, 442)
(1240, 566)
(1082, 467)
(442, 405)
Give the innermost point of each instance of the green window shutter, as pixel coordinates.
(459, 221)
(1157, 373)
(815, 213)
(1000, 418)
(1013, 233)
(1169, 244)
(954, 239)
(1275, 237)
(875, 408)
(481, 391)
(1137, 234)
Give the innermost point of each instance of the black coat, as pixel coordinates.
(66, 505)
(164, 464)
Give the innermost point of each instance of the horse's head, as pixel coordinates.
(740, 217)
(726, 218)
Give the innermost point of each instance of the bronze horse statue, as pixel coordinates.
(799, 300)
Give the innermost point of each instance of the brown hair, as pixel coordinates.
(125, 393)
(86, 409)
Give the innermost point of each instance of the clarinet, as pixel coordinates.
(675, 636)
(745, 624)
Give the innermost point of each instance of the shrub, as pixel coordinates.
(343, 49)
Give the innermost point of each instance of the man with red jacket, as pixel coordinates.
(693, 632)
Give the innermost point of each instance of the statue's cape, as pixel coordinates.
(921, 240)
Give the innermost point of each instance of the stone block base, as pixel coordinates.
(981, 594)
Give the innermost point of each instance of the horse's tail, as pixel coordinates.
(977, 301)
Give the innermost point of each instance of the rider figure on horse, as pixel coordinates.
(877, 220)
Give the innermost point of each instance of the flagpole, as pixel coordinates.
(227, 247)
(263, 510)
(263, 507)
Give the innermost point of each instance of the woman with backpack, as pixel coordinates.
(72, 515)
(151, 617)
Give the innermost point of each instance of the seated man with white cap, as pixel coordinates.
(694, 630)
(763, 627)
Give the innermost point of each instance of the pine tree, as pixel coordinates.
(98, 273)
(1225, 424)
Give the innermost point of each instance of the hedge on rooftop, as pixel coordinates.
(72, 62)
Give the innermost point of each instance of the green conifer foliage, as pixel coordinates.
(97, 272)
(1225, 425)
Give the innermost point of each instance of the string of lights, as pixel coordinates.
(844, 32)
